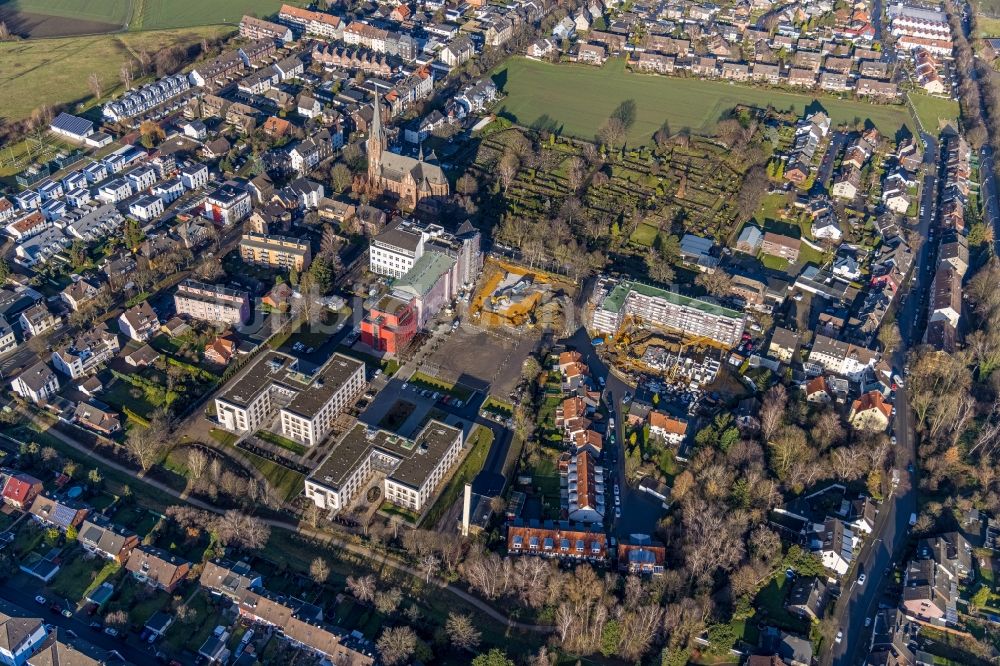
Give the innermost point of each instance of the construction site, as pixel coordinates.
(514, 297)
(678, 358)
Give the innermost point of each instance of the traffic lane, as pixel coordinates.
(25, 601)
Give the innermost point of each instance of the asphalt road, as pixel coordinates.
(640, 511)
(24, 600)
(885, 545)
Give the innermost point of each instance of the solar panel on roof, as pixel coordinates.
(72, 124)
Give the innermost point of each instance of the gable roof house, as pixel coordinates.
(139, 322)
(109, 541)
(157, 567)
(870, 412)
(96, 419)
(20, 637)
(20, 489)
(834, 542)
(808, 598)
(58, 514)
(670, 429)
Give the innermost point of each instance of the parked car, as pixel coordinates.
(40, 600)
(111, 631)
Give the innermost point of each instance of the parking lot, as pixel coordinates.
(480, 360)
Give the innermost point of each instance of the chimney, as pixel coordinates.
(466, 509)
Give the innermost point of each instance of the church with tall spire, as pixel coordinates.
(411, 179)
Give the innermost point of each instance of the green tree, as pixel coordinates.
(52, 536)
(322, 275)
(611, 637)
(980, 598)
(495, 657)
(71, 533)
(4, 271)
(133, 235)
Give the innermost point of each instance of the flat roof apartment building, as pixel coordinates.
(212, 302)
(413, 468)
(275, 251)
(665, 309)
(307, 403)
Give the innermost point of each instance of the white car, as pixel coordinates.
(868, 622)
(861, 579)
(40, 600)
(617, 490)
(618, 512)
(893, 440)
(840, 637)
(618, 500)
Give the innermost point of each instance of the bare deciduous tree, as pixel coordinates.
(96, 84)
(239, 530)
(396, 645)
(461, 632)
(363, 588)
(319, 570)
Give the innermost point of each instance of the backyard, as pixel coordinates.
(554, 96)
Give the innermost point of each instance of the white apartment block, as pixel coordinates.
(413, 468)
(210, 302)
(663, 309)
(841, 358)
(83, 356)
(308, 404)
(37, 383)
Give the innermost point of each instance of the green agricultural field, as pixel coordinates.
(114, 12)
(55, 71)
(160, 14)
(988, 27)
(577, 99)
(933, 111)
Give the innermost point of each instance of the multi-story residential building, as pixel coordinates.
(870, 412)
(84, 354)
(614, 300)
(228, 204)
(27, 226)
(778, 245)
(139, 322)
(563, 540)
(78, 293)
(389, 325)
(585, 495)
(211, 302)
(252, 27)
(275, 251)
(194, 176)
(37, 384)
(413, 468)
(38, 319)
(146, 208)
(308, 404)
(311, 23)
(114, 191)
(841, 358)
(165, 93)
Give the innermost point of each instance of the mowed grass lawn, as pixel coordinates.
(932, 111)
(34, 72)
(160, 14)
(104, 11)
(579, 98)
